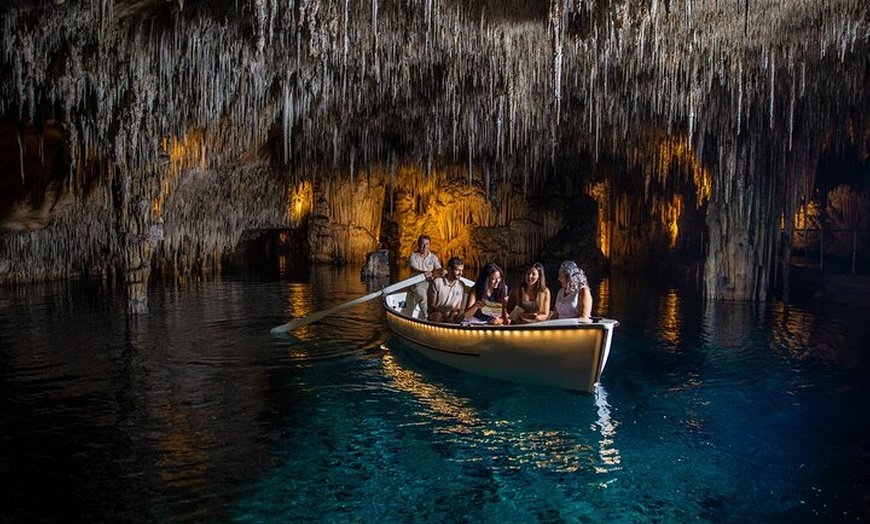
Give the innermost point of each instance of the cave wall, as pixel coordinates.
(182, 224)
(150, 97)
(345, 223)
(389, 207)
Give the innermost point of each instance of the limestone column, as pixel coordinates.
(743, 221)
(137, 256)
(133, 226)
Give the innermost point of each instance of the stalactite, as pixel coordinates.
(772, 94)
(522, 92)
(557, 23)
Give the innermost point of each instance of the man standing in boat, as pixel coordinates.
(445, 293)
(422, 261)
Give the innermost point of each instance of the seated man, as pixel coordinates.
(445, 293)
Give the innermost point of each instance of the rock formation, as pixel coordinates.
(140, 133)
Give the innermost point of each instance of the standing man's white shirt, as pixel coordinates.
(422, 261)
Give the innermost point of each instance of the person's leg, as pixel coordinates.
(417, 299)
(422, 299)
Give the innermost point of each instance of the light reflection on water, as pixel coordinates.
(716, 412)
(559, 450)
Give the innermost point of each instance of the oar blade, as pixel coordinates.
(298, 323)
(314, 317)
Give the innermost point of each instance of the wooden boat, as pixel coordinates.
(563, 353)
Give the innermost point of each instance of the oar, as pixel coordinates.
(314, 317)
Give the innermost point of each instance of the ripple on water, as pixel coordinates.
(195, 412)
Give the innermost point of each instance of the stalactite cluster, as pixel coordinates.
(338, 75)
(336, 88)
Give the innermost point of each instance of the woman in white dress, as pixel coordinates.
(574, 300)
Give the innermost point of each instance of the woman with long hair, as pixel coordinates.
(574, 300)
(487, 299)
(532, 296)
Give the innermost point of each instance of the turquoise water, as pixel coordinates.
(718, 412)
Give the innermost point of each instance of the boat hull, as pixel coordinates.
(566, 353)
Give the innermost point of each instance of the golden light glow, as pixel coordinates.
(184, 154)
(472, 340)
(671, 212)
(299, 204)
(355, 207)
(668, 321)
(800, 218)
(438, 400)
(676, 151)
(672, 174)
(175, 148)
(807, 216)
(415, 197)
(601, 193)
(299, 304)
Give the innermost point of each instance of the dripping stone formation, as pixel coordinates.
(159, 135)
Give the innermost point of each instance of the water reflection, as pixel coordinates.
(552, 444)
(300, 300)
(440, 404)
(601, 300)
(195, 413)
(329, 288)
(728, 325)
(195, 392)
(669, 327)
(800, 335)
(607, 452)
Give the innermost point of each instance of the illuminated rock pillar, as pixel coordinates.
(742, 218)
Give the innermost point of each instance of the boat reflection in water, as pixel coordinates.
(607, 453)
(546, 440)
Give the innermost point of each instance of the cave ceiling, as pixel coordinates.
(521, 85)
